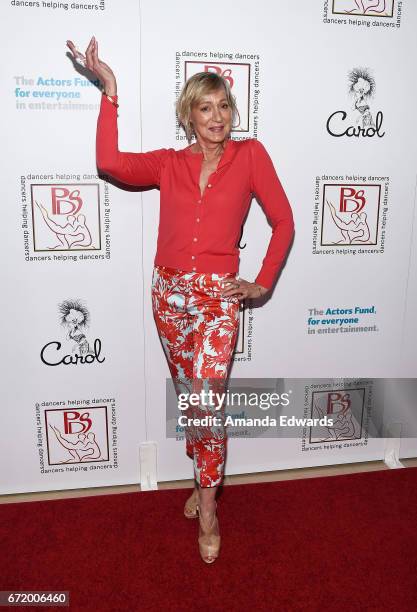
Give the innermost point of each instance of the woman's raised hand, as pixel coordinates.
(91, 61)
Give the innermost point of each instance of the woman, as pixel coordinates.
(205, 192)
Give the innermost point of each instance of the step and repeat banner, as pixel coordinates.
(327, 86)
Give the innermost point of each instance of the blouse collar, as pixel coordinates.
(227, 154)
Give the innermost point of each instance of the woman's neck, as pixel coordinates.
(210, 151)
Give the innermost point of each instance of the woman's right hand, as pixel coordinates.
(91, 61)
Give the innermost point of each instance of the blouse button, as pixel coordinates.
(194, 268)
(199, 202)
(198, 219)
(195, 239)
(209, 185)
(192, 256)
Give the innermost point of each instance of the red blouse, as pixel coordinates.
(200, 232)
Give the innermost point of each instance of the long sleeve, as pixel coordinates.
(140, 169)
(268, 189)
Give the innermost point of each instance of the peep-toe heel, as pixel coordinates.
(208, 540)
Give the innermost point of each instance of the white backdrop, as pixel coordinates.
(81, 425)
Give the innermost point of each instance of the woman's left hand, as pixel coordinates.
(243, 289)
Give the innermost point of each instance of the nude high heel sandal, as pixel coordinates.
(208, 540)
(190, 508)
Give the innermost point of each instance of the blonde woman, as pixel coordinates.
(205, 192)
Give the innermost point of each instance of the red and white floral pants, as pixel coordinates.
(198, 328)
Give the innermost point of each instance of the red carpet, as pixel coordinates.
(336, 543)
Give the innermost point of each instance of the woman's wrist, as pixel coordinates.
(110, 92)
(110, 89)
(262, 290)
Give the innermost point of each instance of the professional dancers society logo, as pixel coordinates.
(350, 214)
(350, 217)
(241, 70)
(77, 348)
(361, 120)
(63, 221)
(74, 434)
(347, 406)
(382, 14)
(65, 217)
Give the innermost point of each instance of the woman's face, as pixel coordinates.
(211, 117)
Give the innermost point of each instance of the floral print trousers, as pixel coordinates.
(198, 328)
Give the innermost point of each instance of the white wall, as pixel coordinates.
(301, 64)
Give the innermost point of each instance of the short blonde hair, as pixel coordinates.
(197, 86)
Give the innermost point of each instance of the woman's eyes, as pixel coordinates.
(205, 108)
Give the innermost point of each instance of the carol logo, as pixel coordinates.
(66, 217)
(366, 8)
(360, 121)
(74, 317)
(77, 435)
(350, 214)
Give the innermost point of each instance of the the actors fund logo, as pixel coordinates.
(77, 435)
(350, 214)
(66, 217)
(345, 408)
(77, 348)
(238, 77)
(361, 120)
(366, 8)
